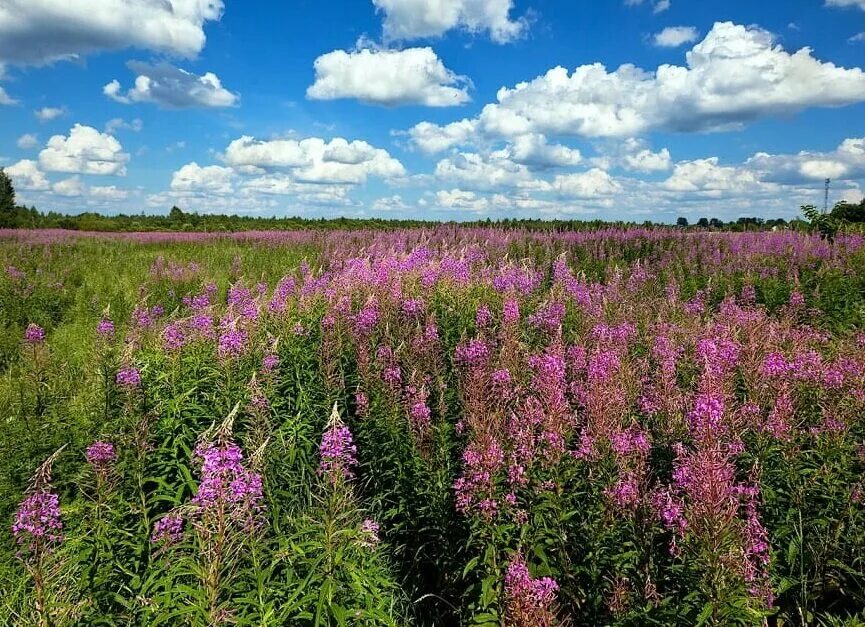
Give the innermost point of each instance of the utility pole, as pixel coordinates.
(826, 196)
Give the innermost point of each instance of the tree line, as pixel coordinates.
(14, 216)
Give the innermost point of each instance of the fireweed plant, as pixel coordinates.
(444, 426)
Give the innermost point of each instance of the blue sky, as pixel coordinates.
(439, 109)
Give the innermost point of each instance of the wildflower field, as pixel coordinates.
(445, 426)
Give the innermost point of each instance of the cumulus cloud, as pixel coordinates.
(461, 199)
(589, 184)
(108, 193)
(42, 31)
(642, 159)
(388, 77)
(26, 175)
(846, 162)
(212, 179)
(314, 160)
(84, 151)
(486, 172)
(28, 141)
(431, 138)
(171, 88)
(534, 151)
(735, 75)
(708, 176)
(71, 187)
(46, 114)
(675, 36)
(413, 19)
(390, 203)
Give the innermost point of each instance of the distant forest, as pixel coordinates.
(14, 216)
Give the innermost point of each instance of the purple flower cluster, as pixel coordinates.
(34, 334)
(337, 451)
(37, 522)
(226, 482)
(369, 530)
(232, 344)
(129, 378)
(530, 599)
(167, 530)
(269, 362)
(105, 329)
(100, 455)
(474, 352)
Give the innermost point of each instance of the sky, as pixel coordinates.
(434, 109)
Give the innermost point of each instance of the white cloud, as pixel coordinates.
(71, 187)
(388, 77)
(675, 36)
(534, 151)
(857, 37)
(26, 175)
(460, 199)
(589, 184)
(314, 160)
(390, 203)
(846, 3)
(6, 99)
(42, 31)
(487, 172)
(658, 7)
(115, 124)
(46, 114)
(108, 193)
(707, 176)
(84, 151)
(212, 179)
(735, 75)
(28, 141)
(432, 138)
(640, 158)
(172, 88)
(846, 162)
(280, 184)
(413, 19)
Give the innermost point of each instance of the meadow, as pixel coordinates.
(432, 426)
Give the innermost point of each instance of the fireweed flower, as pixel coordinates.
(473, 353)
(530, 601)
(105, 329)
(100, 455)
(129, 378)
(269, 363)
(511, 311)
(167, 530)
(226, 483)
(337, 452)
(173, 337)
(361, 403)
(37, 522)
(369, 530)
(483, 317)
(34, 334)
(232, 344)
